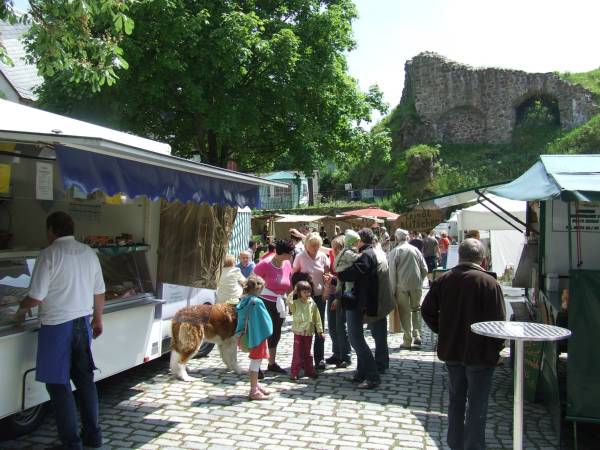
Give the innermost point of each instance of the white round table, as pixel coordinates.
(519, 332)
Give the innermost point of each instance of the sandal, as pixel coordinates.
(257, 395)
(262, 389)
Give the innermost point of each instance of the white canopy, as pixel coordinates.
(294, 218)
(22, 123)
(478, 217)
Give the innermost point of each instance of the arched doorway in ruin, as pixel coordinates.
(536, 119)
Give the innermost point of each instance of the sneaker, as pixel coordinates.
(293, 377)
(368, 384)
(275, 368)
(261, 375)
(320, 366)
(417, 341)
(343, 364)
(333, 360)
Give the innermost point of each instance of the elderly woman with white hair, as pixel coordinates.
(316, 264)
(407, 272)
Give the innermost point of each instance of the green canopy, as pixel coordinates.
(568, 177)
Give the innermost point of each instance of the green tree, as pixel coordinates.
(253, 81)
(80, 38)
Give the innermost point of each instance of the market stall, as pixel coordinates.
(147, 215)
(493, 214)
(561, 267)
(284, 222)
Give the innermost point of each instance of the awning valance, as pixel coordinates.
(90, 172)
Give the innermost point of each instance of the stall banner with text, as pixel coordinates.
(585, 217)
(419, 219)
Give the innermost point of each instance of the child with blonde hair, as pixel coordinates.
(254, 326)
(306, 321)
(231, 283)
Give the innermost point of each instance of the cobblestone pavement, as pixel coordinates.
(144, 408)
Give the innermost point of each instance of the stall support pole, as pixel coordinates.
(569, 235)
(518, 402)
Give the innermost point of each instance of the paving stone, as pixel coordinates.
(144, 408)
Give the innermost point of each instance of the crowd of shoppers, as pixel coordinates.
(356, 282)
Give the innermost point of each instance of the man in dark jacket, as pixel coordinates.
(365, 305)
(463, 296)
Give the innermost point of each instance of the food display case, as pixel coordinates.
(132, 322)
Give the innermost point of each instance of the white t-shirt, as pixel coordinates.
(66, 276)
(229, 287)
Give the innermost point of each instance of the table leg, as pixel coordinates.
(518, 397)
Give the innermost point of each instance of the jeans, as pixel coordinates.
(469, 391)
(444, 260)
(319, 345)
(336, 324)
(63, 398)
(366, 367)
(382, 354)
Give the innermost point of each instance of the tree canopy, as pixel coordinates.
(75, 37)
(260, 82)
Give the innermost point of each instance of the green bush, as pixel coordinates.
(424, 151)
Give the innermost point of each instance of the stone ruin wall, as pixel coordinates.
(456, 103)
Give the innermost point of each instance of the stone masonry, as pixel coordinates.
(456, 103)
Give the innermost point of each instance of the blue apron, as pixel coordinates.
(53, 364)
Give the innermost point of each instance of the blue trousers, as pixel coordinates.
(336, 324)
(63, 398)
(382, 353)
(467, 410)
(366, 367)
(319, 344)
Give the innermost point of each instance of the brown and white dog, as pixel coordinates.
(194, 324)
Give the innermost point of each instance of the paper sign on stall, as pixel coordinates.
(44, 181)
(452, 256)
(4, 178)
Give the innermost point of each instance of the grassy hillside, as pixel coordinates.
(589, 80)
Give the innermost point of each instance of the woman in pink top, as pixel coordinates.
(315, 263)
(277, 273)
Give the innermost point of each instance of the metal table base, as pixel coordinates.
(519, 332)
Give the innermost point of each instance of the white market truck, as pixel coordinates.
(115, 186)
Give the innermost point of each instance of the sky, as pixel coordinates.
(530, 35)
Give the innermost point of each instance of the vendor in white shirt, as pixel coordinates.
(68, 287)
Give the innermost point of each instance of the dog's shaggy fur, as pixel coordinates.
(193, 325)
